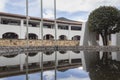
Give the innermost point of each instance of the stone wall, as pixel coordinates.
(15, 42)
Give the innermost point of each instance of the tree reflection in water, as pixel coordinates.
(110, 71)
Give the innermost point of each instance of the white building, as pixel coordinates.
(13, 26)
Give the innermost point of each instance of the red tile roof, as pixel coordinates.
(37, 18)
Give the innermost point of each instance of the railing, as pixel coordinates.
(16, 42)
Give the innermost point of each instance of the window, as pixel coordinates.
(32, 24)
(64, 27)
(48, 26)
(10, 21)
(76, 51)
(76, 28)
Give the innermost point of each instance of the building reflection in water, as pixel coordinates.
(49, 59)
(96, 72)
(69, 74)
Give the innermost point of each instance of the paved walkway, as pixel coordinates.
(9, 50)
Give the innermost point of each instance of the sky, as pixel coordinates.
(70, 74)
(78, 10)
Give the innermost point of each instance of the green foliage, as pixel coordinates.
(104, 19)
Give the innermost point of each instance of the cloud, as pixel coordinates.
(67, 6)
(2, 5)
(48, 75)
(82, 18)
(72, 6)
(20, 3)
(48, 14)
(74, 78)
(81, 68)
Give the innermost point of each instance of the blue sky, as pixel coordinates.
(71, 9)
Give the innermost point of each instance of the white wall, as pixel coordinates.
(21, 31)
(88, 39)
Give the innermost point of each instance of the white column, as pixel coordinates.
(40, 55)
(21, 25)
(57, 31)
(41, 30)
(0, 20)
(21, 64)
(56, 56)
(21, 67)
(69, 57)
(57, 63)
(39, 36)
(22, 22)
(69, 31)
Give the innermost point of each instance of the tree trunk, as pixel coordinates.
(105, 43)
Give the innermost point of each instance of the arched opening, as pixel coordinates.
(76, 37)
(63, 70)
(48, 37)
(62, 52)
(32, 36)
(62, 37)
(76, 52)
(10, 56)
(32, 54)
(49, 52)
(10, 35)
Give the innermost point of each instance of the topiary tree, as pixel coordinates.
(105, 21)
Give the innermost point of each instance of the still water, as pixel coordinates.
(96, 71)
(70, 74)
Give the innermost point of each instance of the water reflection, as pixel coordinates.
(70, 74)
(73, 74)
(110, 71)
(97, 71)
(42, 61)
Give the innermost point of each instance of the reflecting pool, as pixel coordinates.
(70, 74)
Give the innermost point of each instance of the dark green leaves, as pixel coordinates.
(104, 18)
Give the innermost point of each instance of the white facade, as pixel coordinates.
(20, 30)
